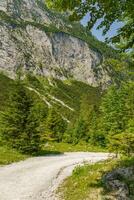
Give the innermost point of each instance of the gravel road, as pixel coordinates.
(37, 178)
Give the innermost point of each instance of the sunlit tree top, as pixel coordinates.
(108, 11)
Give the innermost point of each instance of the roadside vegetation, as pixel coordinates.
(66, 147)
(89, 182)
(112, 127)
(9, 155)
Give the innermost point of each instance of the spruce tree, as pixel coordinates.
(114, 112)
(55, 125)
(80, 131)
(19, 125)
(122, 143)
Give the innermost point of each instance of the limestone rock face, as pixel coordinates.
(117, 183)
(25, 42)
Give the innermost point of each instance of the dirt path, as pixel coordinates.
(37, 178)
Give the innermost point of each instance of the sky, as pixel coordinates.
(98, 33)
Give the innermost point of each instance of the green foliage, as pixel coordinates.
(70, 92)
(61, 147)
(18, 122)
(87, 182)
(114, 126)
(80, 131)
(96, 123)
(107, 11)
(6, 85)
(122, 143)
(55, 125)
(113, 111)
(117, 108)
(120, 70)
(89, 118)
(8, 155)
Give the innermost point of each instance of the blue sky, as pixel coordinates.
(98, 33)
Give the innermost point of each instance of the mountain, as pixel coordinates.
(45, 43)
(60, 61)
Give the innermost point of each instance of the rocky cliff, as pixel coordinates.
(119, 184)
(34, 39)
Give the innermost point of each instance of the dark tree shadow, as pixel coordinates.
(48, 153)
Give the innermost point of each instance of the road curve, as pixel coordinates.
(37, 178)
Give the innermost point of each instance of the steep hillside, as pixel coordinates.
(63, 95)
(46, 43)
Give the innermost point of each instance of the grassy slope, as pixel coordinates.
(65, 147)
(8, 156)
(69, 92)
(86, 181)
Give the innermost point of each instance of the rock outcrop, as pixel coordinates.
(118, 183)
(30, 39)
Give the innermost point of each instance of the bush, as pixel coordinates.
(122, 143)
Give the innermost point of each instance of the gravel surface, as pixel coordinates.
(37, 178)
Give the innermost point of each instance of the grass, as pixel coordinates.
(8, 156)
(70, 92)
(65, 147)
(86, 181)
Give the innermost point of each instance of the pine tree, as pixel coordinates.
(117, 108)
(55, 125)
(122, 143)
(96, 133)
(80, 131)
(117, 111)
(19, 125)
(113, 111)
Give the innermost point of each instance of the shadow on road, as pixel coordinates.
(49, 153)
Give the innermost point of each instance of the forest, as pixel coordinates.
(66, 100)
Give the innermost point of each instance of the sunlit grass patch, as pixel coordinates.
(87, 181)
(8, 156)
(65, 147)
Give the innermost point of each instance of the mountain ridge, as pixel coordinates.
(47, 44)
